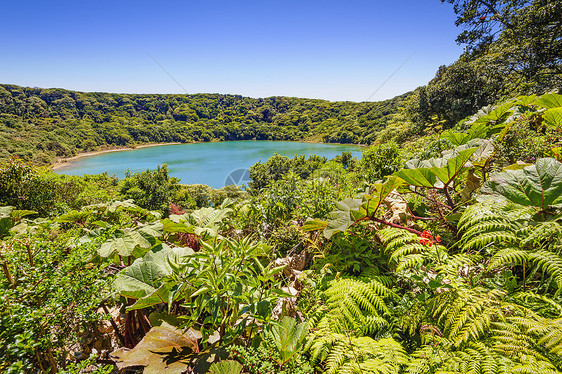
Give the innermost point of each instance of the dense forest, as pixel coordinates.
(60, 123)
(439, 251)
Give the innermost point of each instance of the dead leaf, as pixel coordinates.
(398, 206)
(162, 350)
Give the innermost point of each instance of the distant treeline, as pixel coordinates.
(40, 125)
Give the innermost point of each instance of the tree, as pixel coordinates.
(380, 161)
(530, 31)
(151, 189)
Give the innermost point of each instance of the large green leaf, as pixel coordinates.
(340, 219)
(477, 130)
(419, 177)
(175, 227)
(496, 116)
(142, 280)
(124, 245)
(18, 214)
(131, 239)
(226, 367)
(74, 216)
(525, 100)
(484, 151)
(454, 163)
(538, 185)
(455, 166)
(549, 101)
(456, 138)
(379, 192)
(553, 117)
(163, 350)
(288, 337)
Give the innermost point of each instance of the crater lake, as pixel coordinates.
(215, 164)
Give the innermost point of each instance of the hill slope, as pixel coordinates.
(42, 124)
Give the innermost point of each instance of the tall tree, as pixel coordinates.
(527, 34)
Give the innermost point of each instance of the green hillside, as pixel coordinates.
(42, 124)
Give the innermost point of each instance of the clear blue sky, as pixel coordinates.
(335, 50)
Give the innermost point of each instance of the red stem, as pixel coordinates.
(413, 231)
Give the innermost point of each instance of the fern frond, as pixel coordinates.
(508, 257)
(427, 359)
(467, 314)
(454, 264)
(394, 237)
(410, 261)
(483, 239)
(347, 354)
(355, 304)
(541, 304)
(544, 235)
(550, 263)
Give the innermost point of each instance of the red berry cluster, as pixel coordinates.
(428, 239)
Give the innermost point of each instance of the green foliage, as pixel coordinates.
(59, 123)
(538, 185)
(379, 161)
(356, 305)
(340, 353)
(48, 294)
(288, 336)
(265, 358)
(448, 265)
(24, 186)
(142, 280)
(406, 250)
(226, 288)
(150, 189)
(204, 222)
(277, 166)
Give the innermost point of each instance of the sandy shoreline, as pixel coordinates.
(62, 162)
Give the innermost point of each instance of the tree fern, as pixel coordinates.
(512, 241)
(344, 354)
(407, 251)
(490, 223)
(467, 314)
(459, 265)
(475, 358)
(355, 304)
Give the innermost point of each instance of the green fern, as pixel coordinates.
(427, 360)
(406, 250)
(459, 265)
(505, 232)
(467, 313)
(343, 354)
(355, 304)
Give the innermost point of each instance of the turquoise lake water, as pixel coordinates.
(213, 164)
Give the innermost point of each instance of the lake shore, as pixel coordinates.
(62, 162)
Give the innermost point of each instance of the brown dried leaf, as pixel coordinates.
(162, 350)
